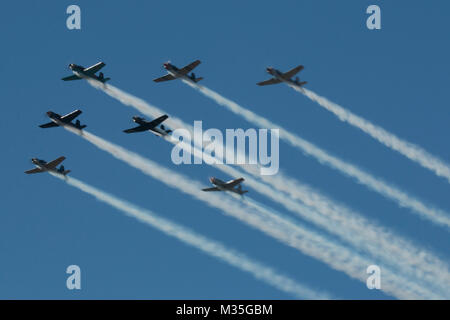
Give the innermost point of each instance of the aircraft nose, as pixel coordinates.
(49, 113)
(211, 179)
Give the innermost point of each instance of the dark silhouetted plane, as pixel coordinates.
(64, 120)
(150, 126)
(43, 166)
(279, 77)
(90, 72)
(175, 73)
(220, 185)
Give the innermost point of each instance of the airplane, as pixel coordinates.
(220, 185)
(43, 166)
(145, 125)
(65, 120)
(175, 73)
(279, 77)
(80, 71)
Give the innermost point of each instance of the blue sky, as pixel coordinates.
(396, 77)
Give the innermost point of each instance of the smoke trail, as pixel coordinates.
(341, 221)
(287, 232)
(434, 215)
(137, 103)
(376, 184)
(208, 246)
(409, 150)
(355, 230)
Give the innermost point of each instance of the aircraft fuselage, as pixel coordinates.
(174, 71)
(76, 68)
(39, 163)
(56, 118)
(218, 183)
(277, 74)
(79, 72)
(155, 130)
(222, 185)
(171, 69)
(42, 164)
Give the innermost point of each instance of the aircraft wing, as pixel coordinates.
(53, 164)
(70, 116)
(35, 170)
(233, 183)
(48, 125)
(211, 189)
(292, 72)
(93, 69)
(136, 129)
(267, 82)
(157, 121)
(70, 78)
(189, 67)
(167, 77)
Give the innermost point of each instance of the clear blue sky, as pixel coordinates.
(397, 77)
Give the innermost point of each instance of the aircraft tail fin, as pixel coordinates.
(302, 83)
(106, 79)
(65, 172)
(79, 126)
(166, 130)
(197, 79)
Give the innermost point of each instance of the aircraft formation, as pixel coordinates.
(155, 126)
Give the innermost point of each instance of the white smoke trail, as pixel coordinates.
(282, 229)
(409, 150)
(376, 184)
(341, 221)
(137, 103)
(208, 246)
(345, 223)
(389, 191)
